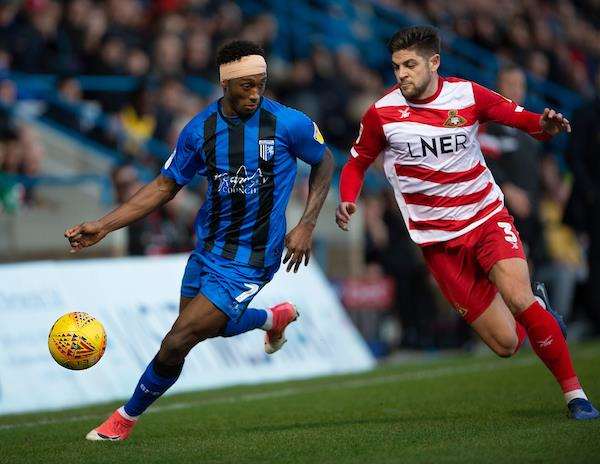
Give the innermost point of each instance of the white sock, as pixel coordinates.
(268, 325)
(125, 415)
(571, 395)
(540, 301)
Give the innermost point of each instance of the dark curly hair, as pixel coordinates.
(424, 39)
(237, 49)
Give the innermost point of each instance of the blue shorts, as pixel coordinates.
(229, 285)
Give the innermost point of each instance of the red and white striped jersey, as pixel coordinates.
(432, 156)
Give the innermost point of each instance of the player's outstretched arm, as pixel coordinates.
(492, 106)
(299, 240)
(145, 200)
(370, 142)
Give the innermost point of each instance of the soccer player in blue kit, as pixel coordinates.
(246, 145)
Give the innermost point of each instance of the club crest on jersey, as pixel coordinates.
(404, 113)
(317, 134)
(454, 119)
(266, 149)
(460, 310)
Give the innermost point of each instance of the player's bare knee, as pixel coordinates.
(505, 345)
(519, 298)
(523, 303)
(172, 348)
(504, 351)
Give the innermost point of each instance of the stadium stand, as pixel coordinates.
(122, 77)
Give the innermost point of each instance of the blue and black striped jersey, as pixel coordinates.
(250, 166)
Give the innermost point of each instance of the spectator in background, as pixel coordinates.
(21, 155)
(32, 158)
(33, 152)
(96, 25)
(74, 24)
(11, 149)
(69, 108)
(138, 122)
(514, 159)
(112, 57)
(8, 92)
(583, 211)
(64, 109)
(11, 191)
(198, 56)
(566, 263)
(529, 180)
(168, 56)
(126, 21)
(110, 60)
(538, 65)
(69, 89)
(163, 231)
(227, 22)
(331, 91)
(138, 63)
(170, 99)
(39, 45)
(297, 88)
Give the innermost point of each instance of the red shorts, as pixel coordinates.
(461, 265)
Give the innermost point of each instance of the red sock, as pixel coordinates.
(549, 344)
(521, 335)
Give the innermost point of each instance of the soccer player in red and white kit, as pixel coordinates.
(425, 127)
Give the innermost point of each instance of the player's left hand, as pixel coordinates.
(298, 243)
(553, 122)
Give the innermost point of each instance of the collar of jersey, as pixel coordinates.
(239, 120)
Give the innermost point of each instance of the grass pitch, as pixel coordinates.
(469, 409)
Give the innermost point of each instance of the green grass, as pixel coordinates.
(469, 409)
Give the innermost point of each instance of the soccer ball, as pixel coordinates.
(77, 340)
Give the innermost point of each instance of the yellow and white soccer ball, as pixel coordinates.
(77, 340)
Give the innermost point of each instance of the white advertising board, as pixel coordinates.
(137, 300)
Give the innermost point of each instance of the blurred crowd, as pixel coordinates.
(162, 43)
(555, 40)
(166, 44)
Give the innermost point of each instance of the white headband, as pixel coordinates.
(246, 66)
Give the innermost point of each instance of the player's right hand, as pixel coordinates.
(85, 235)
(553, 122)
(342, 214)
